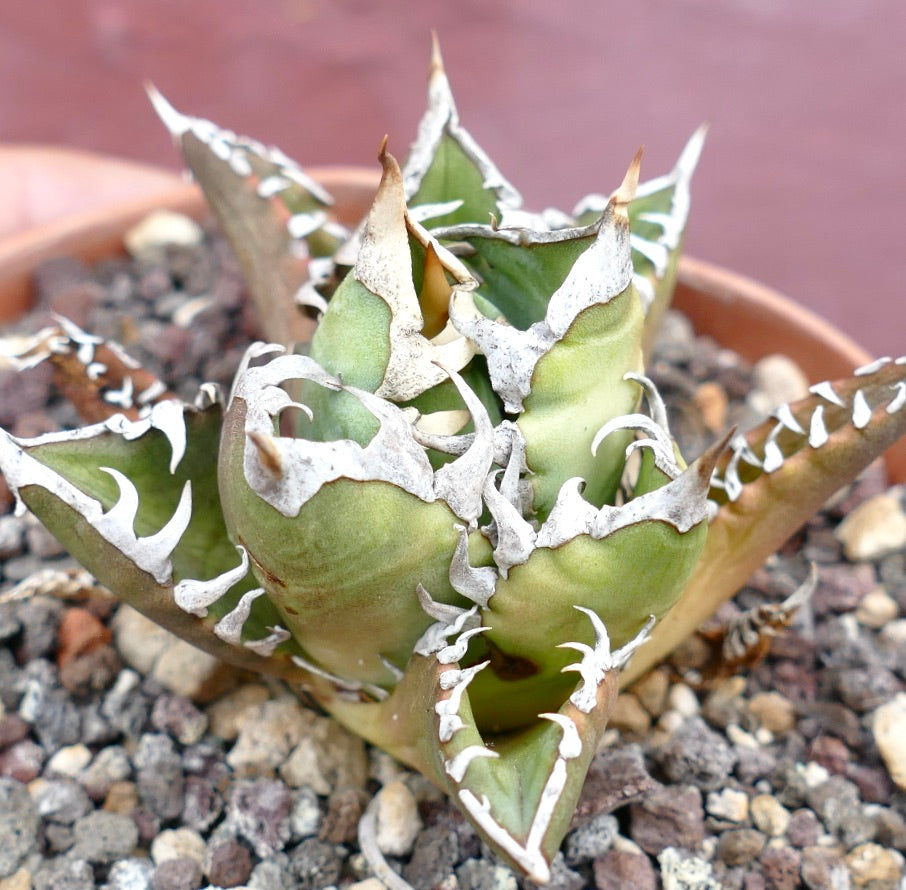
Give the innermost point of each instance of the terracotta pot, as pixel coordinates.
(744, 315)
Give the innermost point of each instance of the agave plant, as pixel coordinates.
(459, 514)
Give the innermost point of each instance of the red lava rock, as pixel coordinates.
(22, 761)
(177, 874)
(874, 783)
(80, 632)
(12, 729)
(618, 869)
(92, 672)
(616, 777)
(670, 816)
(841, 587)
(823, 868)
(228, 864)
(804, 828)
(780, 866)
(831, 753)
(796, 681)
(77, 301)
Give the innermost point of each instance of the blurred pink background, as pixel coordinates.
(801, 184)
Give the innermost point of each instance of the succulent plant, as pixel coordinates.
(457, 517)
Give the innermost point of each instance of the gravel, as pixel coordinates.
(790, 776)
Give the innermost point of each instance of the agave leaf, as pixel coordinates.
(577, 387)
(136, 503)
(372, 334)
(579, 560)
(446, 164)
(774, 479)
(518, 269)
(291, 502)
(518, 790)
(274, 215)
(657, 219)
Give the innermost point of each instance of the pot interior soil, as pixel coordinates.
(756, 780)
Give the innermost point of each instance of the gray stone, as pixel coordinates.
(125, 706)
(315, 865)
(111, 764)
(839, 807)
(104, 837)
(592, 839)
(64, 873)
(864, 689)
(18, 825)
(436, 852)
(159, 775)
(273, 873)
(483, 874)
(258, 810)
(177, 874)
(59, 838)
(9, 620)
(60, 800)
(696, 755)
(52, 713)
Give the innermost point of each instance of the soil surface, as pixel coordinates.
(127, 761)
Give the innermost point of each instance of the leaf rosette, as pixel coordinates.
(456, 515)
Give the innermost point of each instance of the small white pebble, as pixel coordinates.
(728, 804)
(877, 608)
(874, 529)
(769, 815)
(682, 699)
(160, 228)
(889, 729)
(813, 773)
(670, 721)
(742, 739)
(178, 843)
(895, 632)
(398, 822)
(626, 845)
(69, 761)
